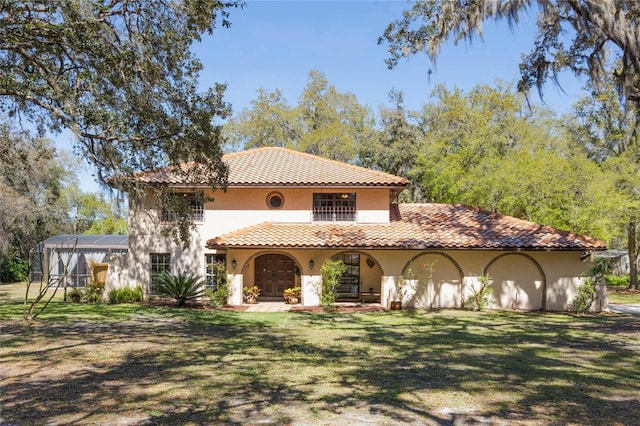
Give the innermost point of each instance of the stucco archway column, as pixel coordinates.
(389, 289)
(235, 285)
(311, 289)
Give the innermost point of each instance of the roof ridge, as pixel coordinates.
(314, 157)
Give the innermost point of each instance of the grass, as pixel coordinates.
(623, 295)
(130, 364)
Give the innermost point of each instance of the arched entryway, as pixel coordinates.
(361, 280)
(274, 272)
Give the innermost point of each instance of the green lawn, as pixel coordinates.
(623, 295)
(127, 364)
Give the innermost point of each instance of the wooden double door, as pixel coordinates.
(274, 273)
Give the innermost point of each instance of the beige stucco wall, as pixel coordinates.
(242, 207)
(518, 278)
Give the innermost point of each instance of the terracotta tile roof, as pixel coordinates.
(413, 226)
(284, 167)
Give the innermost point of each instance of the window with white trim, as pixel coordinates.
(195, 204)
(212, 262)
(159, 263)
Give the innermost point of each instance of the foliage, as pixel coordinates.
(487, 148)
(395, 148)
(608, 132)
(31, 191)
(221, 291)
(480, 297)
(122, 77)
(250, 294)
(93, 214)
(75, 294)
(325, 122)
(292, 292)
(617, 280)
(218, 296)
(126, 295)
(93, 292)
(586, 292)
(331, 270)
(181, 287)
(571, 35)
(13, 269)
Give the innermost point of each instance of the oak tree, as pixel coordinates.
(593, 28)
(119, 74)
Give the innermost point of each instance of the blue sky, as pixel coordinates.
(274, 45)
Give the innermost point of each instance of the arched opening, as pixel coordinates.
(362, 278)
(432, 280)
(273, 273)
(517, 282)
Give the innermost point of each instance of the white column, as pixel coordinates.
(388, 290)
(311, 289)
(235, 285)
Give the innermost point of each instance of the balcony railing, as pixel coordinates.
(334, 214)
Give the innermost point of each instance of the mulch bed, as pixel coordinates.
(341, 309)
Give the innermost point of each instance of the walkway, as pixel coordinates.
(269, 307)
(625, 309)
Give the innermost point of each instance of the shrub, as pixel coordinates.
(13, 269)
(181, 287)
(93, 292)
(617, 280)
(126, 295)
(480, 297)
(331, 270)
(221, 292)
(585, 296)
(586, 292)
(75, 294)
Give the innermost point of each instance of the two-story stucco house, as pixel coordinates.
(285, 212)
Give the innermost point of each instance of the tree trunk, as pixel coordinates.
(633, 255)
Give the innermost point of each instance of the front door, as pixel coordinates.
(274, 273)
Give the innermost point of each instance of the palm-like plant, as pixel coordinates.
(181, 287)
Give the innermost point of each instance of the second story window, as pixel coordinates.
(193, 204)
(332, 207)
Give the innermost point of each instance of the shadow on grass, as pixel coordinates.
(172, 366)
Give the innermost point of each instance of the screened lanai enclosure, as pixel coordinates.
(76, 253)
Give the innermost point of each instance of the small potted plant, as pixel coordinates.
(292, 295)
(396, 302)
(251, 294)
(75, 295)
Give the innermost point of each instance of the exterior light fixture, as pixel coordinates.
(234, 264)
(311, 264)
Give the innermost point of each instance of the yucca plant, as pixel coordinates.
(181, 287)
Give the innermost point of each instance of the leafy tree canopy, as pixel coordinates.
(593, 28)
(32, 181)
(120, 74)
(325, 122)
